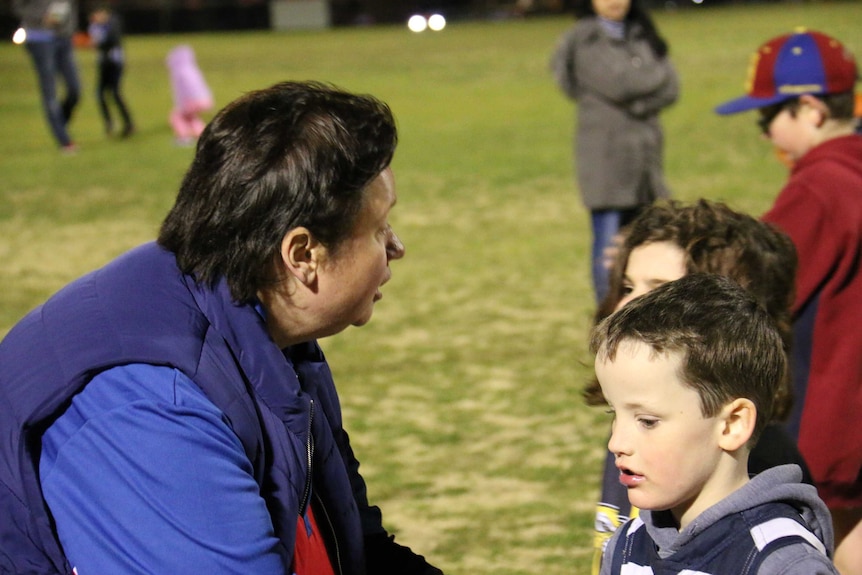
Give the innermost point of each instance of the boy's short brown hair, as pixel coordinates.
(730, 346)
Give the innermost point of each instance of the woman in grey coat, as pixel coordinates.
(615, 64)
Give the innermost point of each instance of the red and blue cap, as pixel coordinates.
(805, 62)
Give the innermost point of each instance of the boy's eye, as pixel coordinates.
(648, 422)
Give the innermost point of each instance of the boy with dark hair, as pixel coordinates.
(803, 85)
(668, 240)
(690, 371)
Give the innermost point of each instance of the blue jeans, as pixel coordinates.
(606, 224)
(53, 57)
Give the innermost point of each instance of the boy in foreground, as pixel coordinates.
(690, 371)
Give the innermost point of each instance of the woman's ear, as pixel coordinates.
(301, 255)
(737, 421)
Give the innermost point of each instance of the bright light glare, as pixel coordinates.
(417, 23)
(437, 22)
(19, 36)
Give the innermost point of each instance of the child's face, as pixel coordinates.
(612, 9)
(665, 449)
(649, 266)
(99, 16)
(796, 131)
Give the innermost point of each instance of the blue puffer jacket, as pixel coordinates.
(142, 309)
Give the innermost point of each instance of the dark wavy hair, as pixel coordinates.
(294, 154)
(636, 14)
(718, 240)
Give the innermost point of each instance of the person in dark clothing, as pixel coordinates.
(106, 34)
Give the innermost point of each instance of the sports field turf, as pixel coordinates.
(462, 395)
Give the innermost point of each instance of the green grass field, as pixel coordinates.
(462, 395)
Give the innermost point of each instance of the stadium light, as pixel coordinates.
(417, 23)
(436, 22)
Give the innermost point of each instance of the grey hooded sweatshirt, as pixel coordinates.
(779, 484)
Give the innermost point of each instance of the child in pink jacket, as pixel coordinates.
(192, 95)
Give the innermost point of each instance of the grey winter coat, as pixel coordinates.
(60, 16)
(779, 484)
(620, 87)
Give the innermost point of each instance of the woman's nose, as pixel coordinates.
(395, 249)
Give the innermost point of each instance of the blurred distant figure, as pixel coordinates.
(192, 95)
(49, 26)
(106, 36)
(615, 64)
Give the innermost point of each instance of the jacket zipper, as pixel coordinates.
(309, 451)
(306, 495)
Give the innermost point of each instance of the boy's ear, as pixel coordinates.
(301, 255)
(737, 420)
(816, 105)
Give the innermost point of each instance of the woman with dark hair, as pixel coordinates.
(615, 65)
(172, 412)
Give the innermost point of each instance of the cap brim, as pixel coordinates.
(746, 103)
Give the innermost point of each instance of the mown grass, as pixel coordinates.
(462, 395)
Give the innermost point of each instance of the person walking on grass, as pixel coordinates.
(48, 27)
(106, 36)
(192, 96)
